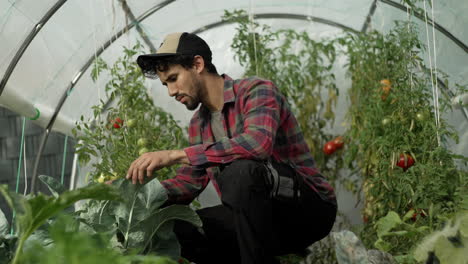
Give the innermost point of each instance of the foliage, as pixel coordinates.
(394, 232)
(127, 125)
(72, 245)
(32, 212)
(390, 114)
(139, 223)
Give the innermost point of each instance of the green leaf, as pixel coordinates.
(387, 223)
(383, 245)
(54, 186)
(4, 226)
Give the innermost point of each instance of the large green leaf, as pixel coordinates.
(142, 202)
(55, 187)
(165, 242)
(154, 224)
(387, 223)
(32, 213)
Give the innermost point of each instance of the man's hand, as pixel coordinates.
(150, 161)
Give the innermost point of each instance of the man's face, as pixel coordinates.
(182, 84)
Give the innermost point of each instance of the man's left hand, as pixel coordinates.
(151, 161)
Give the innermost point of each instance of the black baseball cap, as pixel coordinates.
(180, 43)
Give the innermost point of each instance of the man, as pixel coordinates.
(246, 140)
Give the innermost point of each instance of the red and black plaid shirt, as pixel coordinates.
(259, 125)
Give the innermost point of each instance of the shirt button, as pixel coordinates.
(222, 160)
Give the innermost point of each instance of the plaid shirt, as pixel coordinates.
(259, 125)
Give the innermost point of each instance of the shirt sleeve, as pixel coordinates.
(261, 105)
(189, 181)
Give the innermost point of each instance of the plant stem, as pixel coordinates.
(19, 249)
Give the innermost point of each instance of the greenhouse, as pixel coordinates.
(260, 131)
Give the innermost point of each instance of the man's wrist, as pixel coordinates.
(179, 157)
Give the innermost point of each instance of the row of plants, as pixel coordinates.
(118, 223)
(392, 142)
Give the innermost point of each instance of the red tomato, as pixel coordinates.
(338, 141)
(405, 162)
(329, 148)
(117, 122)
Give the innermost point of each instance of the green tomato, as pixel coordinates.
(142, 151)
(142, 142)
(421, 115)
(101, 178)
(386, 121)
(131, 122)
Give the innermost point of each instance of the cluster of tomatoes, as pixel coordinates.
(117, 123)
(331, 146)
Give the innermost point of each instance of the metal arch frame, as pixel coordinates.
(437, 26)
(32, 34)
(369, 16)
(281, 16)
(59, 3)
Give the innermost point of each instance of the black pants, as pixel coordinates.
(250, 227)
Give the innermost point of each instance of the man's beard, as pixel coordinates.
(194, 101)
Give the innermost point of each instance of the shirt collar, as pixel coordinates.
(229, 95)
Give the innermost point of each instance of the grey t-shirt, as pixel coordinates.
(218, 132)
(217, 126)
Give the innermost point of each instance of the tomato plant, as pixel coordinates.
(113, 139)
